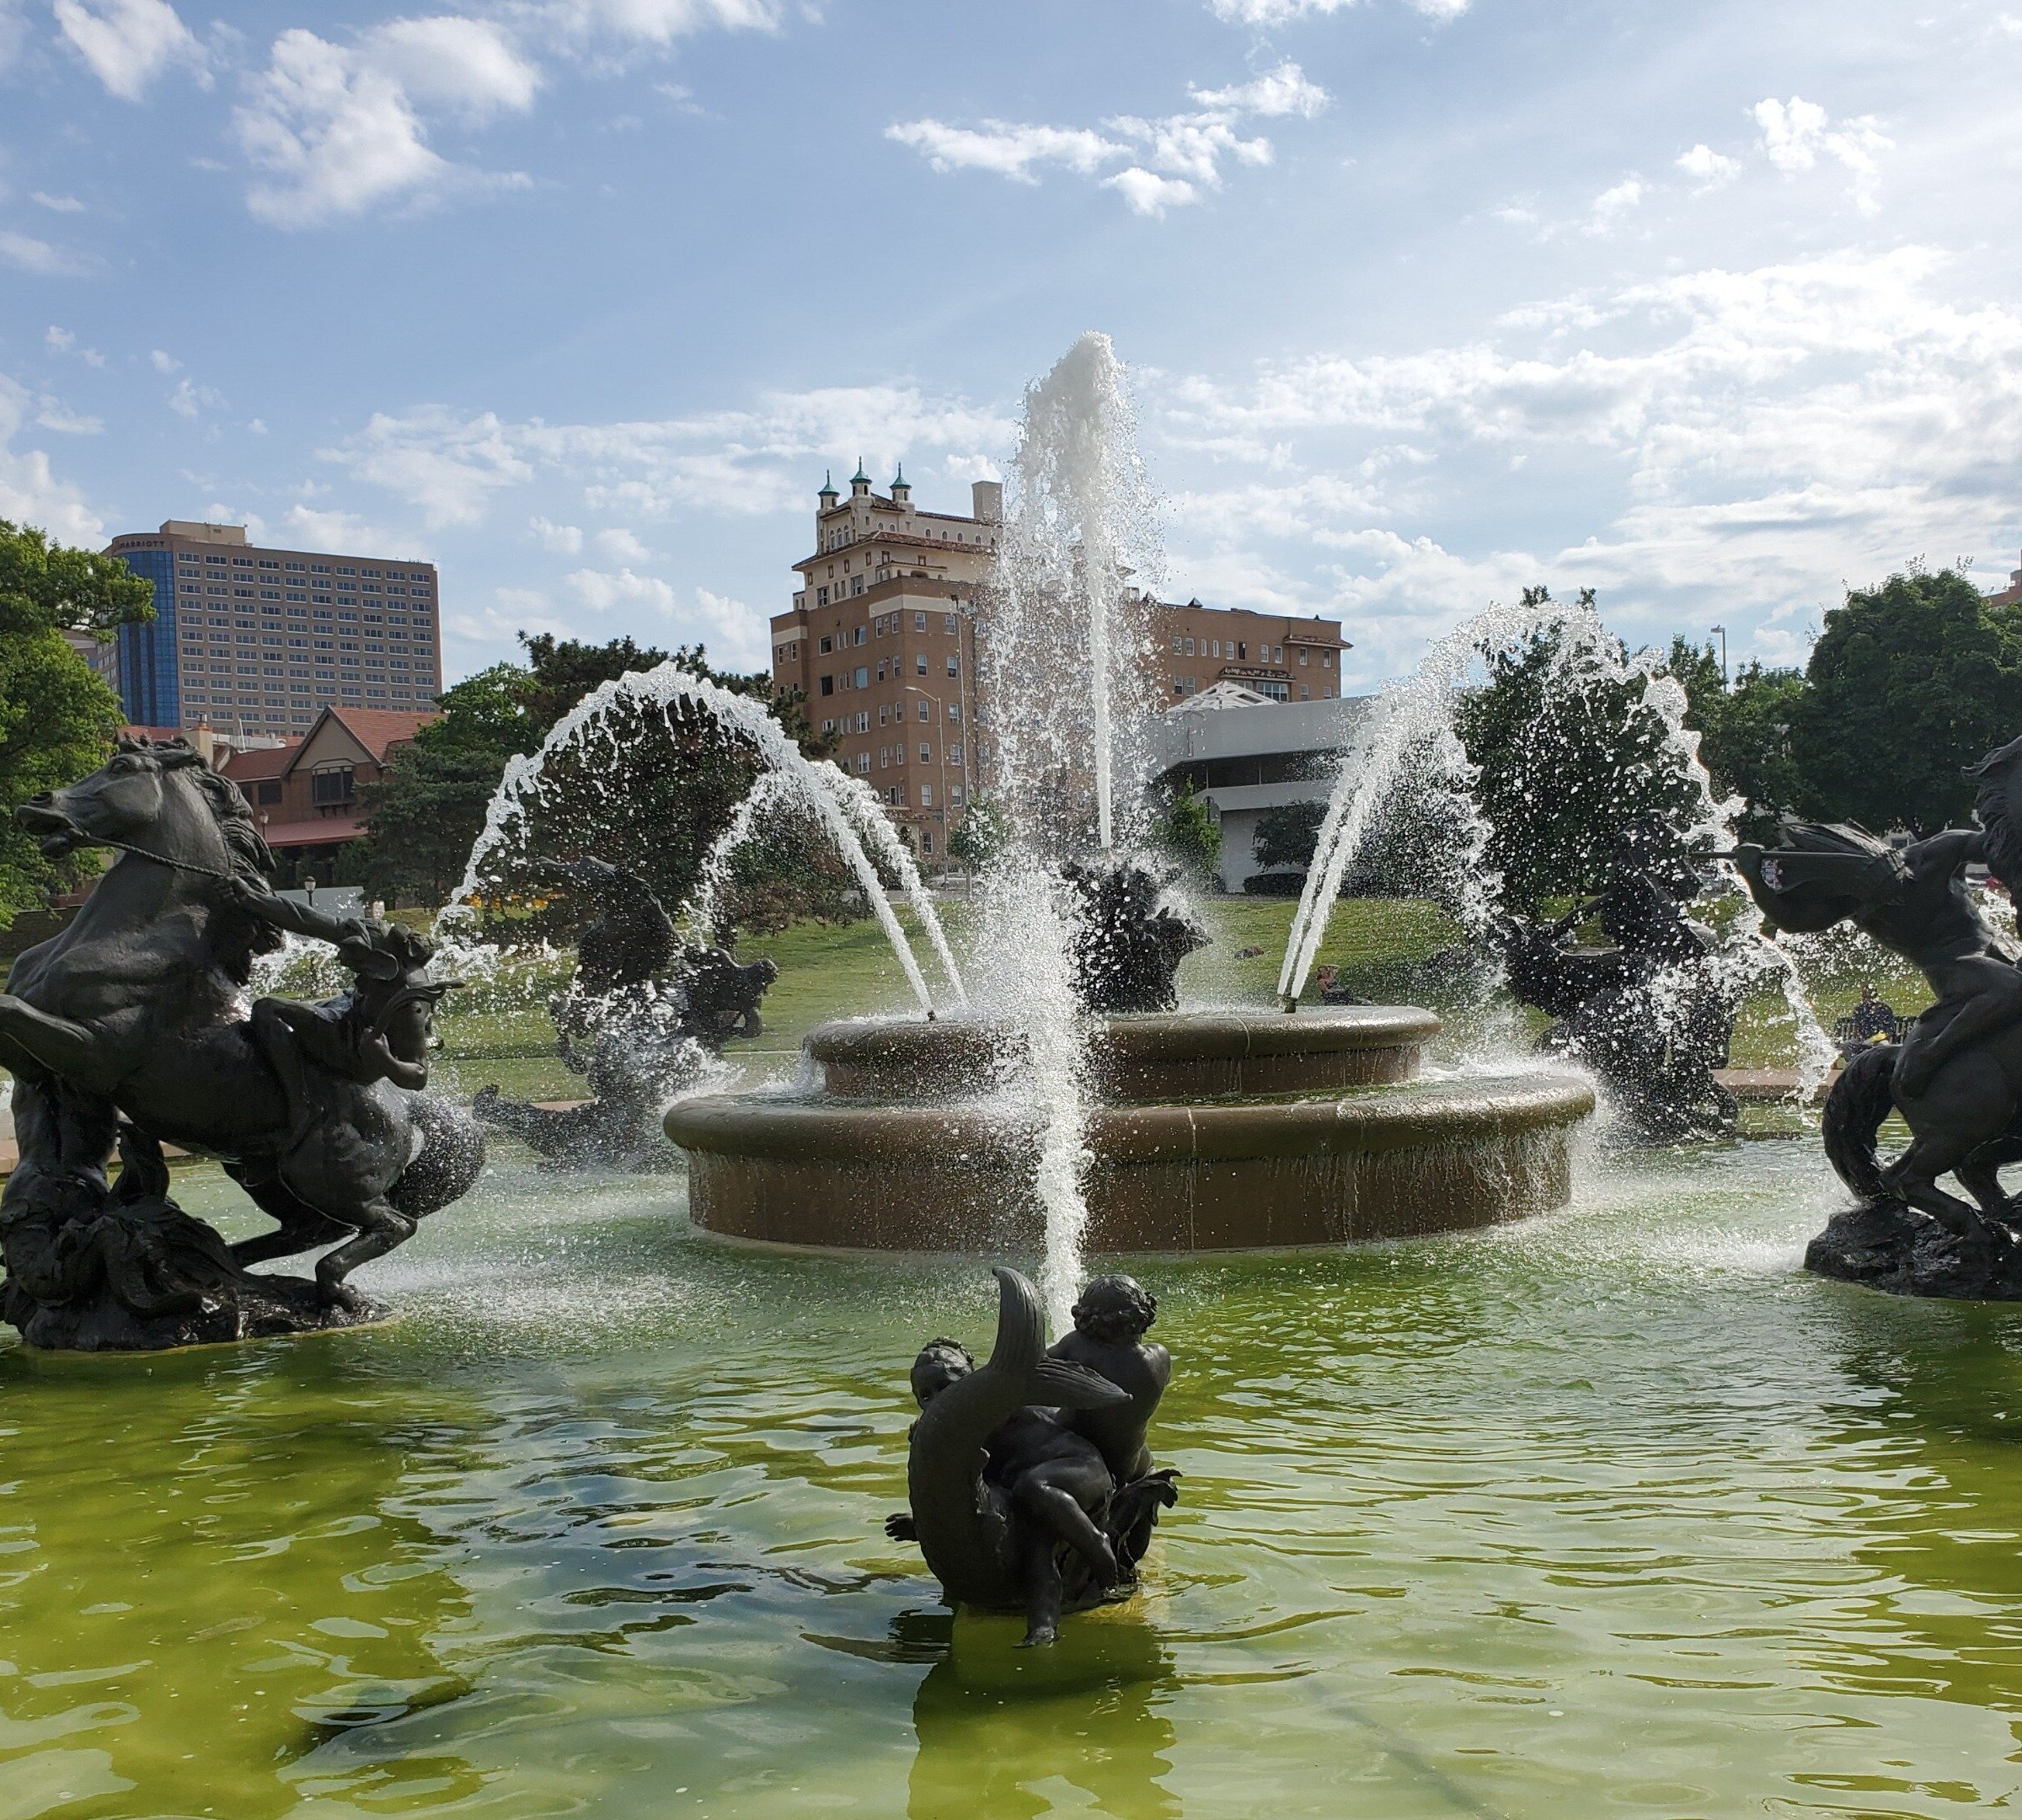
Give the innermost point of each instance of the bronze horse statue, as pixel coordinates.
(131, 1024)
(1957, 1078)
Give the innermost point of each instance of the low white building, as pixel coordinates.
(1244, 754)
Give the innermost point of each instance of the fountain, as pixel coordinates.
(1074, 1108)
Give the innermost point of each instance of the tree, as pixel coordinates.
(1909, 684)
(1286, 836)
(1569, 754)
(1745, 732)
(978, 837)
(423, 815)
(1188, 831)
(57, 719)
(651, 793)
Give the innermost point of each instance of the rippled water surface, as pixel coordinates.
(1612, 1513)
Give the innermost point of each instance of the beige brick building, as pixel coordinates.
(881, 641)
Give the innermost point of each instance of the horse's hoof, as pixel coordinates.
(1040, 1637)
(341, 1295)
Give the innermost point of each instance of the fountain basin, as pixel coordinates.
(887, 1157)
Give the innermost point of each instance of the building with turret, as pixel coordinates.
(881, 641)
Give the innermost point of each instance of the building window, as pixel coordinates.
(927, 796)
(919, 621)
(1327, 659)
(1303, 655)
(828, 685)
(954, 794)
(926, 755)
(863, 764)
(919, 664)
(863, 672)
(954, 713)
(821, 600)
(926, 840)
(856, 636)
(328, 789)
(948, 623)
(270, 793)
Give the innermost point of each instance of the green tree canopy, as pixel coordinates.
(56, 718)
(1286, 836)
(650, 794)
(1909, 684)
(1744, 733)
(1188, 831)
(1569, 754)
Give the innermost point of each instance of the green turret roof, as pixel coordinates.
(859, 474)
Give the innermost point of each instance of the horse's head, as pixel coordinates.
(158, 799)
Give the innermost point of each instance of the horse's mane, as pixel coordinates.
(237, 937)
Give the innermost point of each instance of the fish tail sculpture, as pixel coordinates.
(965, 1527)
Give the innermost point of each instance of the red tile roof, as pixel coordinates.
(376, 729)
(262, 762)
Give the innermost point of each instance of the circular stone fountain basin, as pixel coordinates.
(1210, 1131)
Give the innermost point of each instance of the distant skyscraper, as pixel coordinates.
(247, 637)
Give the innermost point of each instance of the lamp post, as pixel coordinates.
(1722, 630)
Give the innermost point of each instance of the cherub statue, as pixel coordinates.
(1031, 1482)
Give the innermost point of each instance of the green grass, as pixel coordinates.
(501, 1033)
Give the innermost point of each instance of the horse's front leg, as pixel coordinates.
(380, 1227)
(77, 1051)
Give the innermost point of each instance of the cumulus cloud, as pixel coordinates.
(26, 253)
(1708, 167)
(343, 129)
(126, 43)
(1797, 133)
(1172, 159)
(564, 539)
(1009, 151)
(451, 466)
(29, 491)
(601, 590)
(1265, 12)
(1613, 204)
(1768, 433)
(619, 545)
(57, 205)
(192, 400)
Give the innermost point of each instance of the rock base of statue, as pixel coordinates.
(1886, 1245)
(94, 1273)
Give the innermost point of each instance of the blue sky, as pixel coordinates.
(1714, 307)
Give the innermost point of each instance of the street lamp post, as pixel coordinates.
(1722, 630)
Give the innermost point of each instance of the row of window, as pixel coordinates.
(895, 793)
(1237, 651)
(324, 600)
(191, 562)
(885, 623)
(888, 755)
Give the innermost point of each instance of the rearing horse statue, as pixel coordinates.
(132, 1024)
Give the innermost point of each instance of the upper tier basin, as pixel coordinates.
(1208, 1132)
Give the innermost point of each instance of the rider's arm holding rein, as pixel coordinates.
(296, 919)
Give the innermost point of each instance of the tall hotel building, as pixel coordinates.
(251, 639)
(881, 641)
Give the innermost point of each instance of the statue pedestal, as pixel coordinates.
(1886, 1245)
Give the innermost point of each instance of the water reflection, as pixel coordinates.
(1002, 1730)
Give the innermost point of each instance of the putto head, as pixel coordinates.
(1113, 1308)
(941, 1362)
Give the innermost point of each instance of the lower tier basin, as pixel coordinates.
(1393, 1159)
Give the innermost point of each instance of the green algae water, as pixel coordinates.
(1615, 1512)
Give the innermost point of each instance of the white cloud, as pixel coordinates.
(733, 635)
(311, 528)
(29, 255)
(1284, 12)
(60, 340)
(1764, 433)
(53, 415)
(1708, 167)
(619, 545)
(126, 43)
(1174, 158)
(738, 463)
(1149, 194)
(343, 129)
(1008, 150)
(448, 467)
(30, 492)
(59, 204)
(566, 539)
(1613, 204)
(192, 400)
(163, 362)
(600, 591)
(1796, 133)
